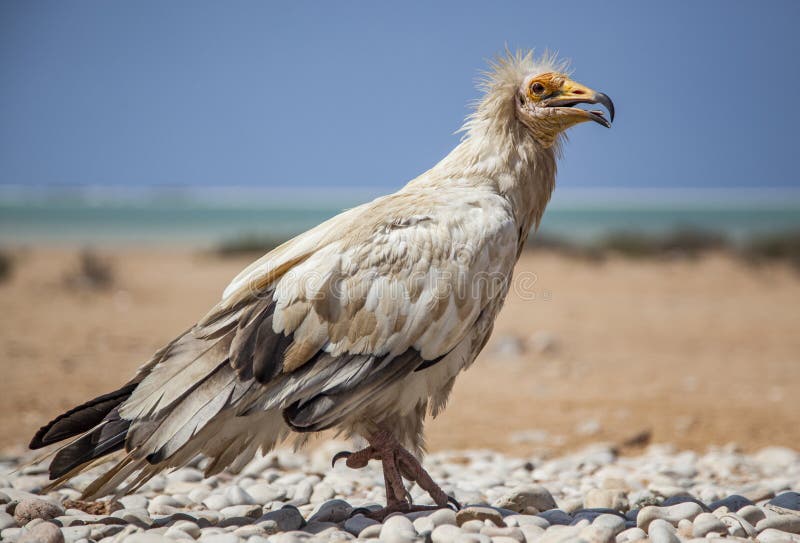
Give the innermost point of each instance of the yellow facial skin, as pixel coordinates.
(548, 108)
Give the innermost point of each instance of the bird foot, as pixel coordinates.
(398, 464)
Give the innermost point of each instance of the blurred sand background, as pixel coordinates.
(695, 352)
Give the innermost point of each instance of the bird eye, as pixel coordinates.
(537, 88)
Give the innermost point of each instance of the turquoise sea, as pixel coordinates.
(204, 217)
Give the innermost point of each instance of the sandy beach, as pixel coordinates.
(690, 352)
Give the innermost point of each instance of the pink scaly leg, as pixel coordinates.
(397, 463)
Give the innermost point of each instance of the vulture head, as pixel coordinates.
(535, 96)
(547, 104)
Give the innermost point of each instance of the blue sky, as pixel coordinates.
(369, 94)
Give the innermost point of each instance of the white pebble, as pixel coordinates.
(134, 501)
(397, 529)
(661, 531)
(631, 534)
(264, 493)
(672, 514)
(706, 523)
(771, 535)
(236, 495)
(216, 502)
(446, 533)
(784, 523)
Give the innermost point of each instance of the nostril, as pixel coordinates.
(578, 91)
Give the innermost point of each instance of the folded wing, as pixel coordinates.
(305, 338)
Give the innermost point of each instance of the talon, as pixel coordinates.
(338, 456)
(454, 502)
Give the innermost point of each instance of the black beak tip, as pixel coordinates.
(603, 99)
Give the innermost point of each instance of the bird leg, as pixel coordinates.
(397, 464)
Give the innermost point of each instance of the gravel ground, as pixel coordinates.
(592, 495)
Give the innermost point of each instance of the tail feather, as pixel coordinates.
(102, 428)
(80, 419)
(105, 439)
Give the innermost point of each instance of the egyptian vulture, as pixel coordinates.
(360, 325)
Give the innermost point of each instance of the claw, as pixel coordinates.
(338, 456)
(454, 502)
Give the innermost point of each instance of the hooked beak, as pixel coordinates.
(573, 93)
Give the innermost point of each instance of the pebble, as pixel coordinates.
(191, 528)
(588, 496)
(561, 534)
(758, 494)
(76, 533)
(682, 497)
(216, 502)
(287, 519)
(318, 527)
(787, 500)
(507, 532)
(661, 531)
(220, 538)
(302, 493)
(556, 517)
(733, 503)
(771, 535)
(44, 532)
(246, 511)
(447, 533)
(322, 492)
(706, 523)
(263, 493)
(197, 495)
(685, 527)
(738, 526)
(631, 534)
(614, 523)
(472, 526)
(398, 529)
(784, 523)
(526, 520)
(751, 514)
(139, 517)
(371, 532)
(422, 524)
(163, 505)
(532, 533)
(472, 538)
(33, 508)
(479, 513)
(332, 511)
(591, 514)
(176, 533)
(443, 516)
(236, 495)
(357, 523)
(606, 499)
(529, 499)
(6, 521)
(672, 514)
(134, 501)
(145, 537)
